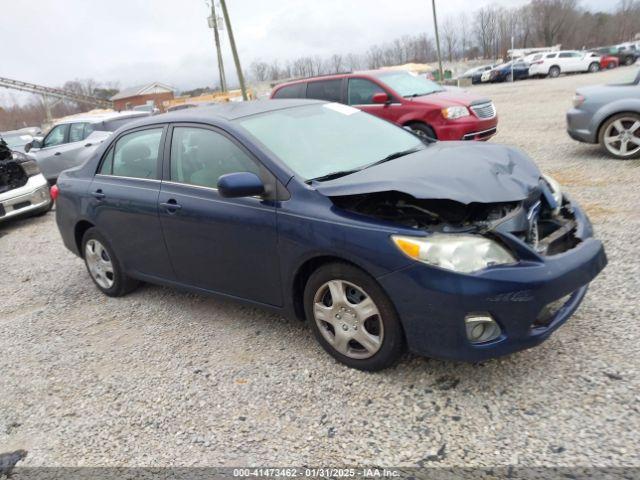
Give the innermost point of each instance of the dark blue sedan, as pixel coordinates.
(317, 210)
(505, 72)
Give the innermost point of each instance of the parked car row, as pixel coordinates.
(553, 64)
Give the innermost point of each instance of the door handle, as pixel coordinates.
(171, 205)
(99, 195)
(57, 153)
(88, 144)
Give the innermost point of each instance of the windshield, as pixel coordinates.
(408, 85)
(321, 139)
(16, 140)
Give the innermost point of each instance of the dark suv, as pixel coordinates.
(404, 99)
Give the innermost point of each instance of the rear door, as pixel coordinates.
(124, 199)
(225, 245)
(570, 61)
(329, 90)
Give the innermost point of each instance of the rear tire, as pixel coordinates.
(554, 72)
(423, 131)
(611, 65)
(103, 266)
(352, 318)
(629, 61)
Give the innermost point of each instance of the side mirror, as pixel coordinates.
(380, 98)
(241, 184)
(35, 143)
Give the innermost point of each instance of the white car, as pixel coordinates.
(552, 64)
(23, 189)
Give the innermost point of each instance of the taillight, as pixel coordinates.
(539, 62)
(55, 191)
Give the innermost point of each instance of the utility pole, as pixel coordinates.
(216, 35)
(435, 23)
(232, 41)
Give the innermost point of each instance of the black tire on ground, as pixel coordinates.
(122, 284)
(629, 61)
(594, 67)
(554, 72)
(605, 126)
(393, 341)
(611, 65)
(423, 131)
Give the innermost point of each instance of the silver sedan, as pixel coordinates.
(608, 115)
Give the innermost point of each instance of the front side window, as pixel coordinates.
(409, 85)
(56, 136)
(200, 157)
(328, 90)
(135, 155)
(76, 132)
(296, 90)
(361, 91)
(317, 140)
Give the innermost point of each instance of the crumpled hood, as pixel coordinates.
(464, 172)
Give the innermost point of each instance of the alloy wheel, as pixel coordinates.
(99, 264)
(622, 137)
(348, 319)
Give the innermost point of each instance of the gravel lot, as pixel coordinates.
(167, 378)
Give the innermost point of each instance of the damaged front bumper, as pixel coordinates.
(32, 196)
(522, 299)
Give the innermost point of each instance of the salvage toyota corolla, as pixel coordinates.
(454, 250)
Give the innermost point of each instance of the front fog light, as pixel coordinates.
(481, 328)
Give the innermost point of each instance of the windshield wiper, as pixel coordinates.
(393, 156)
(333, 175)
(344, 173)
(413, 95)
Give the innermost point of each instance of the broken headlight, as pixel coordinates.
(460, 253)
(556, 190)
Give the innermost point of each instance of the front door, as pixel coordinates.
(124, 198)
(360, 92)
(224, 245)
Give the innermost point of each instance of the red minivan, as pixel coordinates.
(405, 99)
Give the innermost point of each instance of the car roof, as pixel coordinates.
(337, 76)
(102, 117)
(225, 111)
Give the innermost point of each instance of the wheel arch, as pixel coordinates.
(78, 232)
(302, 274)
(609, 115)
(409, 123)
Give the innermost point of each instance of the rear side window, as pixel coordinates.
(296, 90)
(361, 91)
(329, 90)
(135, 155)
(552, 55)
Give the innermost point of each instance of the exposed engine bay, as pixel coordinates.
(547, 230)
(12, 175)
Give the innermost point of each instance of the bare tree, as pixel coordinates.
(259, 71)
(450, 36)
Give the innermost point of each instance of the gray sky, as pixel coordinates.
(137, 41)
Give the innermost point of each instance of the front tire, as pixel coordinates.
(103, 266)
(423, 131)
(620, 136)
(629, 61)
(352, 318)
(594, 67)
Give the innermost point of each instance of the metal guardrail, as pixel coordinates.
(54, 92)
